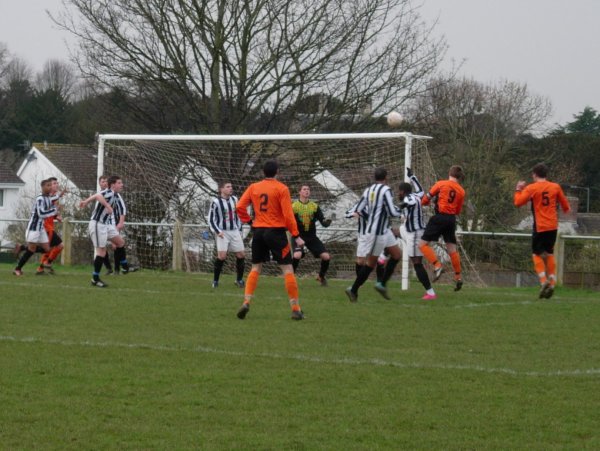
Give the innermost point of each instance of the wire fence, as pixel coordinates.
(500, 259)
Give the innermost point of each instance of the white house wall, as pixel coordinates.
(8, 210)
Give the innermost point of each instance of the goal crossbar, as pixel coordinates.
(286, 137)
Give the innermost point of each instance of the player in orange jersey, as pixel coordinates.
(450, 198)
(545, 197)
(273, 215)
(56, 244)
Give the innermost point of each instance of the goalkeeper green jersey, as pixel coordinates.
(307, 214)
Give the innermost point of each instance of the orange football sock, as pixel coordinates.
(53, 254)
(430, 255)
(291, 286)
(251, 284)
(551, 268)
(455, 259)
(540, 268)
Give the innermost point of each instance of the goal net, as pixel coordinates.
(171, 180)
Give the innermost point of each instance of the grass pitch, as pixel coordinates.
(159, 361)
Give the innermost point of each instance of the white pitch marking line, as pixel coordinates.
(305, 358)
(279, 297)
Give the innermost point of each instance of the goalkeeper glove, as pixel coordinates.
(326, 222)
(409, 172)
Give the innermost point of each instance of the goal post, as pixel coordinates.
(172, 178)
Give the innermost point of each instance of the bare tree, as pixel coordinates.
(58, 77)
(16, 71)
(478, 126)
(244, 65)
(3, 59)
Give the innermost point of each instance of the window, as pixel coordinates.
(1, 198)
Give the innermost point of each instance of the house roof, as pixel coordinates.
(77, 162)
(8, 175)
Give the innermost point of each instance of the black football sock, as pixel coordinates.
(217, 269)
(380, 271)
(107, 262)
(422, 275)
(295, 263)
(239, 266)
(390, 266)
(26, 256)
(362, 277)
(117, 263)
(357, 268)
(121, 257)
(98, 262)
(324, 268)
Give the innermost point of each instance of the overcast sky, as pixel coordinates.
(552, 45)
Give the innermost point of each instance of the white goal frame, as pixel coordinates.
(407, 136)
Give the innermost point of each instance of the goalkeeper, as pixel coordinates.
(307, 213)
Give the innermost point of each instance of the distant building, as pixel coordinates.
(10, 186)
(74, 166)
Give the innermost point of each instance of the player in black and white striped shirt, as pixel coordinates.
(103, 183)
(102, 228)
(227, 228)
(119, 214)
(361, 236)
(410, 194)
(36, 234)
(378, 201)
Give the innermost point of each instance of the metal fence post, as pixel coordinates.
(560, 258)
(66, 258)
(177, 246)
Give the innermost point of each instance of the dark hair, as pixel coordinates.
(380, 174)
(222, 184)
(102, 177)
(113, 179)
(270, 168)
(53, 179)
(406, 188)
(541, 170)
(456, 172)
(43, 182)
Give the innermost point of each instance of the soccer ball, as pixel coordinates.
(394, 119)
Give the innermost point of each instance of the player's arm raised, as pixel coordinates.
(98, 197)
(417, 188)
(434, 191)
(42, 212)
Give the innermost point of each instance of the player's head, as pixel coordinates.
(225, 189)
(103, 182)
(304, 191)
(404, 189)
(54, 184)
(115, 183)
(270, 168)
(46, 186)
(380, 175)
(540, 171)
(456, 172)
